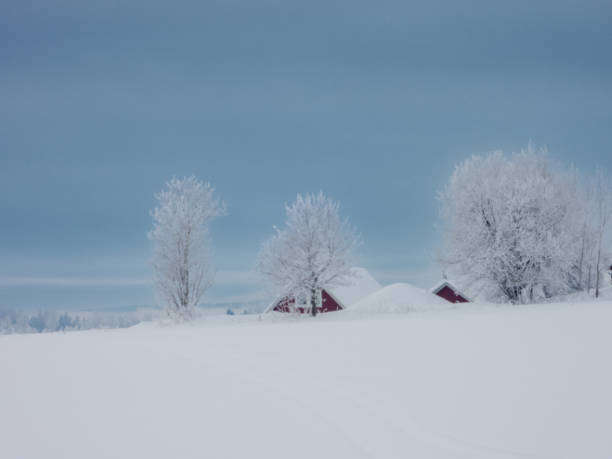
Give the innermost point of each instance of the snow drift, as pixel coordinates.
(398, 298)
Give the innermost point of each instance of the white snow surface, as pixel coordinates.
(473, 382)
(399, 297)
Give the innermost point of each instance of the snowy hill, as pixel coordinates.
(396, 298)
(499, 382)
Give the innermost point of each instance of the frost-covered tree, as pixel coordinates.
(39, 321)
(181, 265)
(64, 322)
(511, 225)
(312, 252)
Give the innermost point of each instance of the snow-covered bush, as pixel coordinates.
(180, 237)
(312, 252)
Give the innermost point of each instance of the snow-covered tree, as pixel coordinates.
(39, 321)
(312, 252)
(602, 203)
(511, 225)
(64, 321)
(181, 265)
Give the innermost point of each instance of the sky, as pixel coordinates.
(373, 103)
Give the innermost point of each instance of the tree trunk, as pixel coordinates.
(580, 286)
(589, 279)
(313, 302)
(597, 270)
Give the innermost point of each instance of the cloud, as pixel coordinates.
(24, 281)
(423, 278)
(232, 277)
(225, 278)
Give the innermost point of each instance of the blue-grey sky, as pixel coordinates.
(372, 102)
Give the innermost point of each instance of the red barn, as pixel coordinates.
(361, 285)
(329, 303)
(449, 292)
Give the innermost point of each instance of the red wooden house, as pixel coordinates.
(329, 303)
(361, 285)
(449, 292)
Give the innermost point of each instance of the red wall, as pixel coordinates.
(449, 295)
(329, 304)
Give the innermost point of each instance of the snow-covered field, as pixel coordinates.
(473, 382)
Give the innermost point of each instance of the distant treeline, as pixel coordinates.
(18, 321)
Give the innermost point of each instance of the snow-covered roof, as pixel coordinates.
(360, 285)
(357, 287)
(447, 283)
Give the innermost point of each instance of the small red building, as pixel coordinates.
(360, 285)
(449, 292)
(329, 303)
